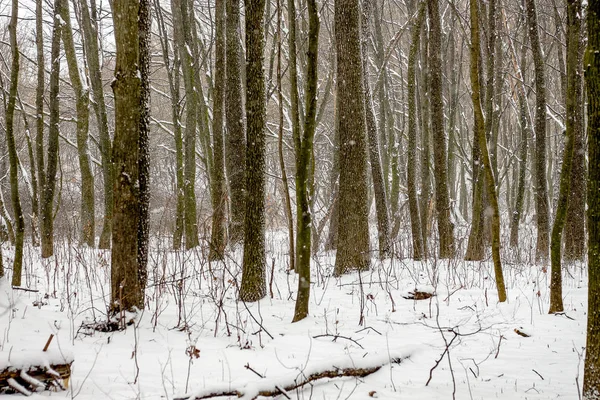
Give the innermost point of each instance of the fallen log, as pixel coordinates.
(26, 372)
(343, 367)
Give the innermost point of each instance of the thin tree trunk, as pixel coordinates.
(381, 206)
(218, 191)
(573, 88)
(39, 106)
(479, 130)
(90, 32)
(442, 200)
(411, 165)
(88, 220)
(52, 159)
(12, 149)
(541, 186)
(305, 158)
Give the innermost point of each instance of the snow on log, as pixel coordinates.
(29, 371)
(348, 366)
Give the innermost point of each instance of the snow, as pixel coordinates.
(190, 304)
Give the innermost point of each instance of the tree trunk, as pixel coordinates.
(88, 220)
(234, 113)
(90, 32)
(442, 200)
(12, 149)
(353, 238)
(130, 111)
(411, 165)
(479, 130)
(218, 231)
(304, 163)
(591, 380)
(541, 186)
(39, 106)
(381, 204)
(573, 87)
(253, 287)
(52, 159)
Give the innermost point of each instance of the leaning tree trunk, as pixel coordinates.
(131, 20)
(591, 380)
(90, 32)
(218, 189)
(353, 237)
(304, 162)
(573, 88)
(479, 130)
(235, 157)
(253, 286)
(47, 204)
(541, 185)
(442, 199)
(82, 102)
(12, 149)
(381, 204)
(411, 164)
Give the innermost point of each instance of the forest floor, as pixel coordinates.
(194, 336)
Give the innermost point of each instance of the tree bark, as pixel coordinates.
(90, 32)
(235, 136)
(353, 239)
(88, 220)
(442, 200)
(253, 287)
(541, 185)
(218, 231)
(479, 130)
(12, 149)
(591, 380)
(411, 165)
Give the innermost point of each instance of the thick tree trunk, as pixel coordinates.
(541, 186)
(591, 380)
(442, 200)
(131, 21)
(12, 149)
(253, 287)
(353, 238)
(235, 142)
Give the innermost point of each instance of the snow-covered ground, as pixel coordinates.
(194, 336)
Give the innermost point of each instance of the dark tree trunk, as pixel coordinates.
(572, 97)
(591, 380)
(235, 159)
(541, 186)
(253, 287)
(131, 21)
(52, 159)
(218, 190)
(411, 165)
(12, 149)
(442, 200)
(90, 32)
(353, 238)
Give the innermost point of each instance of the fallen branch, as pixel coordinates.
(345, 367)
